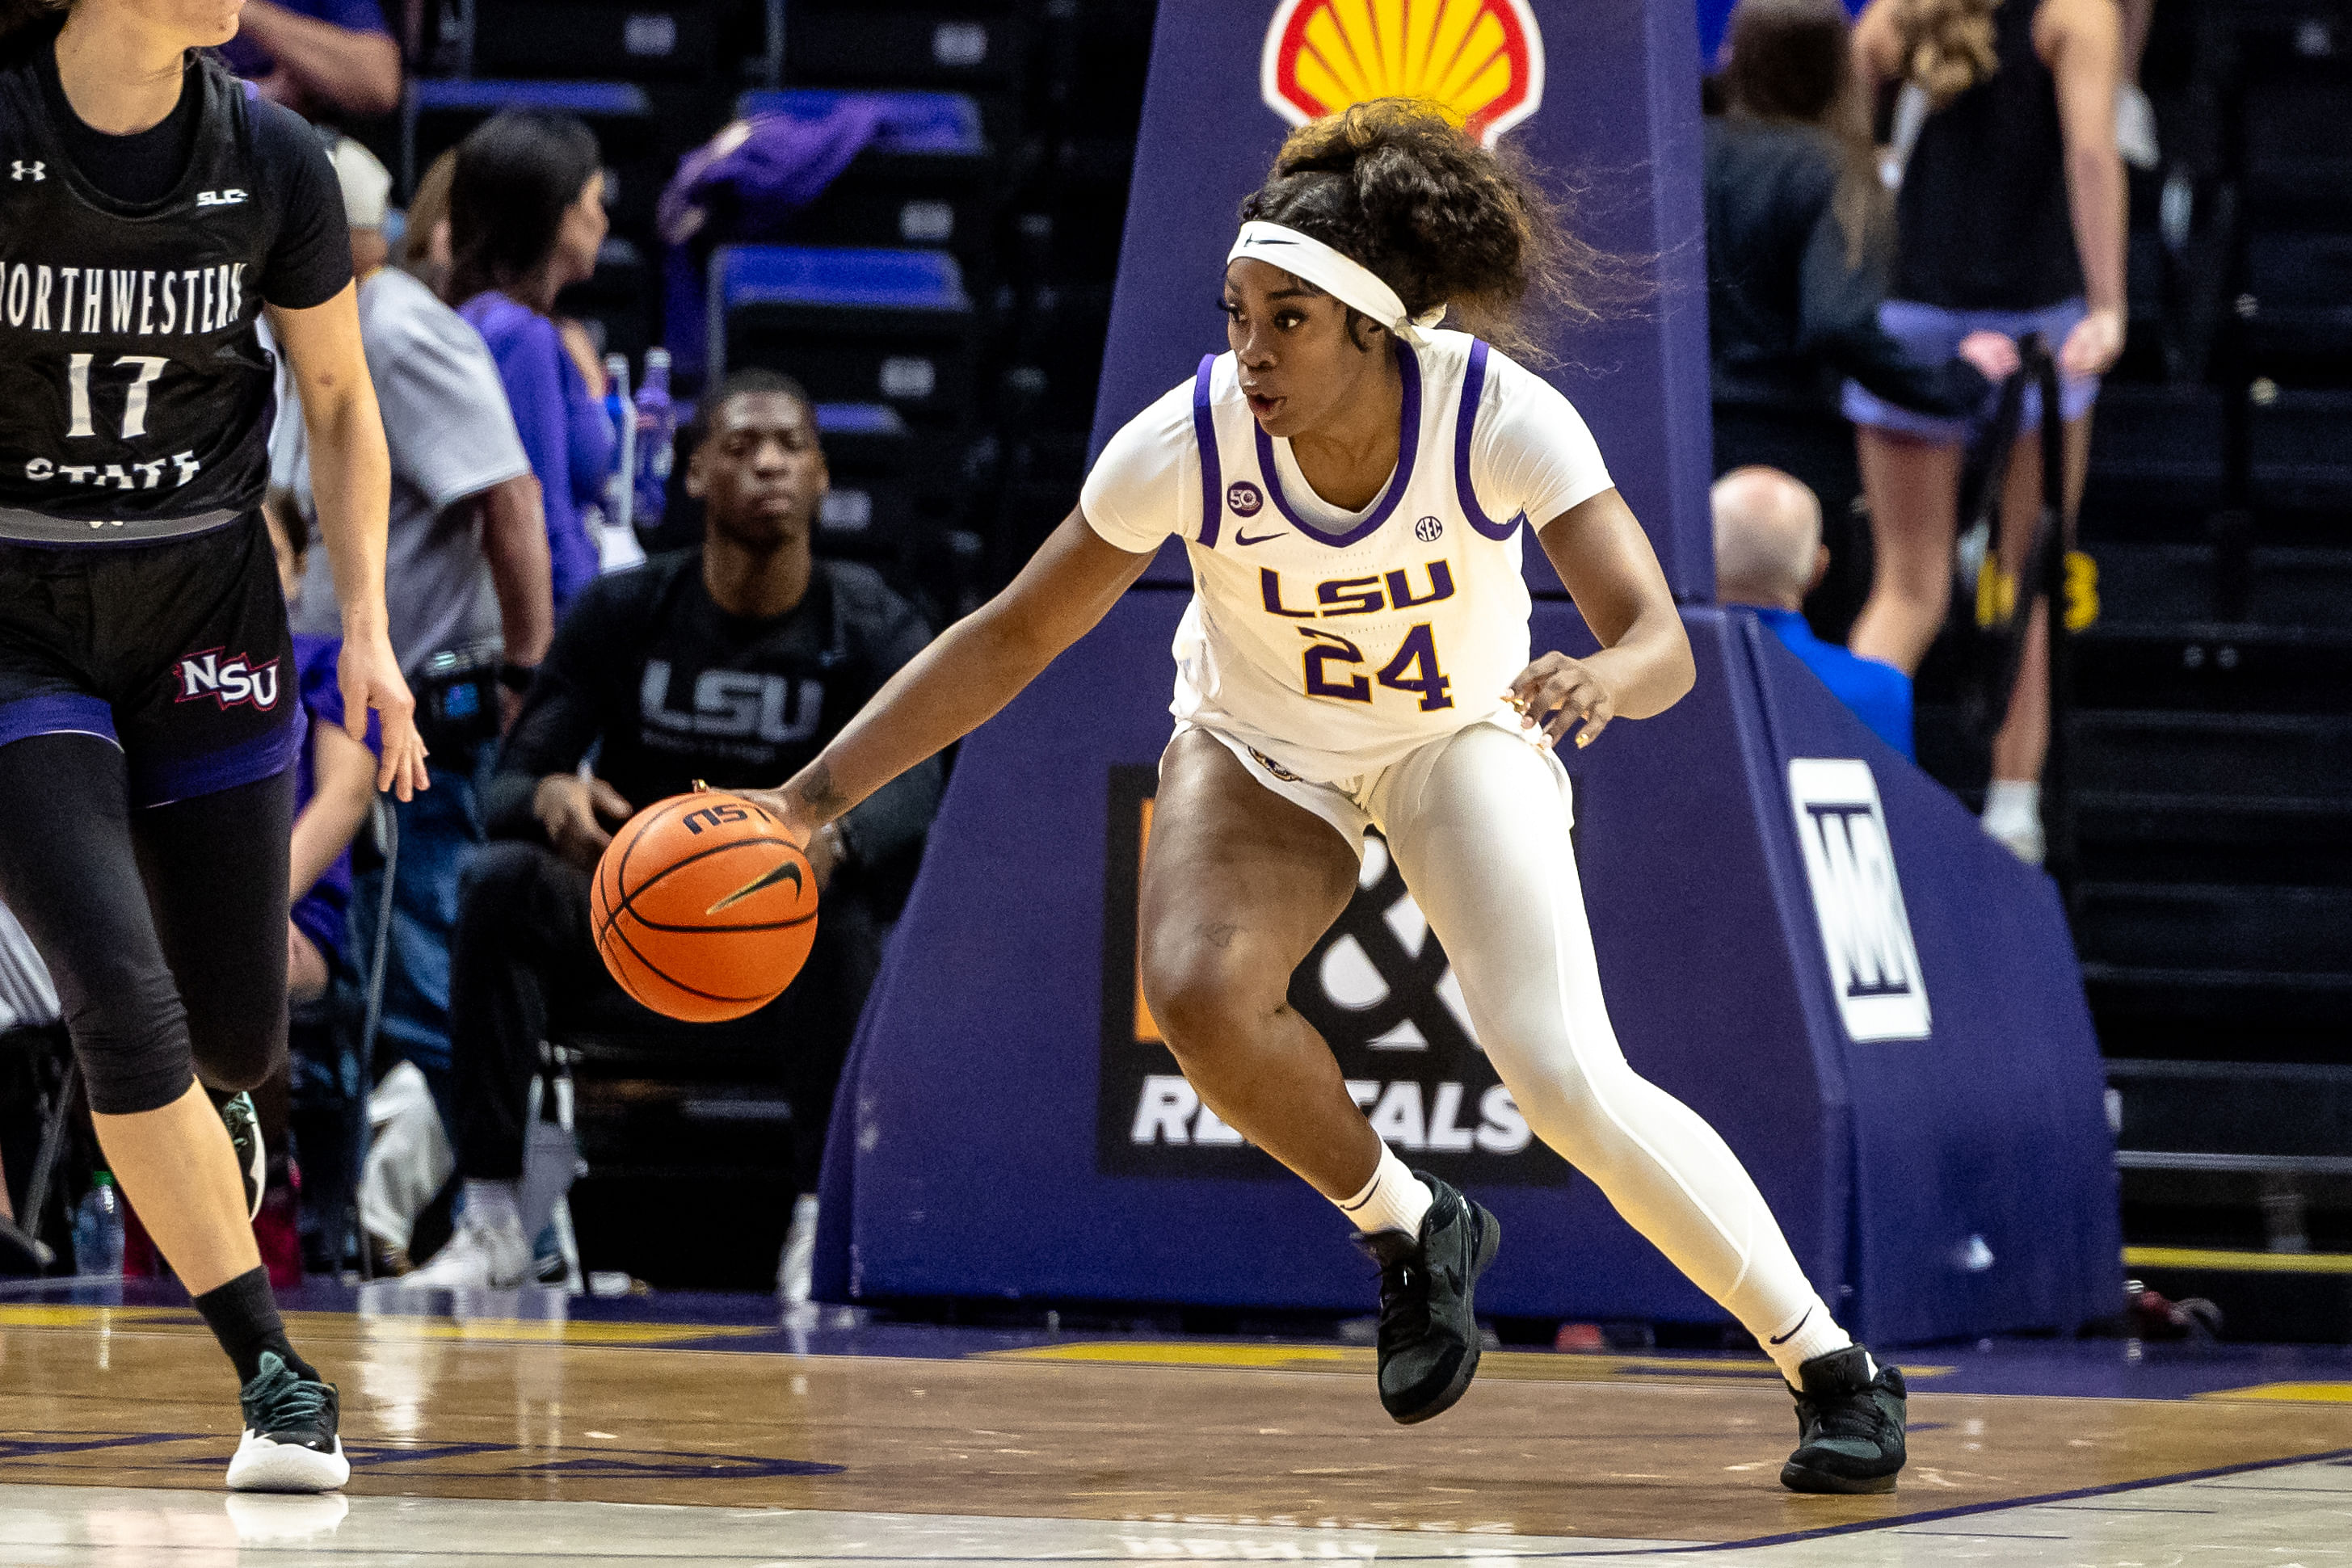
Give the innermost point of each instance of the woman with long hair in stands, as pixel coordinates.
(1350, 482)
(2010, 219)
(526, 219)
(151, 212)
(1798, 235)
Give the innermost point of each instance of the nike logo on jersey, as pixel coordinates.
(1255, 539)
(24, 170)
(228, 198)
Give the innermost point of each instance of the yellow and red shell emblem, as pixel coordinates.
(1479, 61)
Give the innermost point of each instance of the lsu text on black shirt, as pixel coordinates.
(135, 396)
(664, 687)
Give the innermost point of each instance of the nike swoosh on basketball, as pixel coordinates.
(1241, 539)
(765, 879)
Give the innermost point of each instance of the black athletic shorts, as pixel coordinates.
(177, 652)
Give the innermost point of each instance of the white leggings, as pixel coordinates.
(1479, 825)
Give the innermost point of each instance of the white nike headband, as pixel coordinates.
(1348, 281)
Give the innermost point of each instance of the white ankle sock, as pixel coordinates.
(2011, 802)
(494, 1203)
(1394, 1199)
(1814, 1332)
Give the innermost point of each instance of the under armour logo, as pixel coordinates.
(24, 170)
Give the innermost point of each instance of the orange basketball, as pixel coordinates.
(704, 909)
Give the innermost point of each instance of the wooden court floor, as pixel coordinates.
(1193, 1432)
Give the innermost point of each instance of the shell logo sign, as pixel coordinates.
(1480, 60)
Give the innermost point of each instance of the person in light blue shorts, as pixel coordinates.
(2009, 218)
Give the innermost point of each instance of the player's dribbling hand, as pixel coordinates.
(575, 813)
(1555, 693)
(369, 677)
(798, 825)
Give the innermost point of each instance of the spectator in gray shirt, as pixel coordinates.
(466, 589)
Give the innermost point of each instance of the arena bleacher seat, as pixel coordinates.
(2297, 454)
(976, 48)
(2297, 302)
(928, 179)
(2158, 447)
(638, 156)
(893, 327)
(630, 40)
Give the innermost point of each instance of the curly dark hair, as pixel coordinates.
(15, 15)
(1395, 185)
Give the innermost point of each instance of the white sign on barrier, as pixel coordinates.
(1858, 899)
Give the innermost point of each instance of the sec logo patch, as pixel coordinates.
(1428, 530)
(1244, 499)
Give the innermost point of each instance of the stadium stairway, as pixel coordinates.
(2213, 761)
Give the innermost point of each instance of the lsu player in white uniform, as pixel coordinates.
(1354, 486)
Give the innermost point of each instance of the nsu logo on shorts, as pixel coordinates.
(1858, 899)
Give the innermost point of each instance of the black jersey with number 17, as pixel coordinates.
(135, 396)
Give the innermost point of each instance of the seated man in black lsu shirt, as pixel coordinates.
(735, 663)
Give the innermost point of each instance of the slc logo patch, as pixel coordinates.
(1479, 61)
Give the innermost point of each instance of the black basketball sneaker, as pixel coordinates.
(1429, 1333)
(1849, 1426)
(289, 1443)
(237, 1113)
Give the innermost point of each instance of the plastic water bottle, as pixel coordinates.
(616, 540)
(656, 435)
(97, 1228)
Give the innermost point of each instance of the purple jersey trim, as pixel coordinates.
(58, 713)
(160, 780)
(1205, 434)
(1465, 424)
(1408, 448)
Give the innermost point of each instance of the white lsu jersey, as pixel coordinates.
(1335, 651)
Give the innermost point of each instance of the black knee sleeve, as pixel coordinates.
(131, 1035)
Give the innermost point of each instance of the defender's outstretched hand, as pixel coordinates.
(370, 676)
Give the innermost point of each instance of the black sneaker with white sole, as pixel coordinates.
(244, 1125)
(1849, 1426)
(289, 1443)
(1429, 1332)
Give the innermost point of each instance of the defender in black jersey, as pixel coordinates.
(150, 211)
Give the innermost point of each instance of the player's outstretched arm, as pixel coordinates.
(350, 475)
(1645, 664)
(975, 667)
